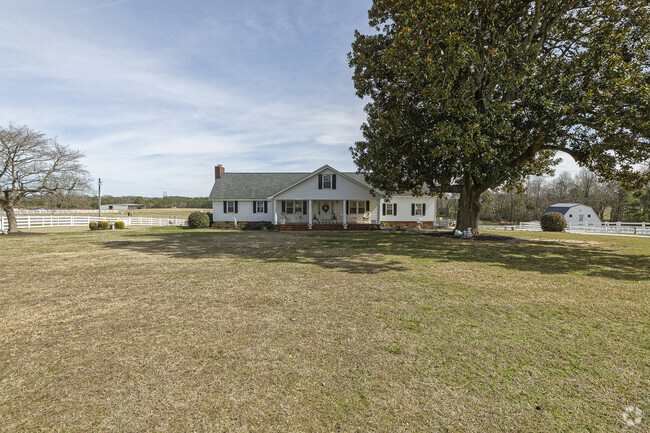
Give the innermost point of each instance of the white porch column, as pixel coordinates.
(275, 212)
(379, 211)
(345, 215)
(309, 215)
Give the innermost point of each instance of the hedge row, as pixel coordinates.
(242, 226)
(105, 225)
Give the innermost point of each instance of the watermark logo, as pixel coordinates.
(632, 416)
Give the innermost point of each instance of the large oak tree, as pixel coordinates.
(32, 164)
(469, 95)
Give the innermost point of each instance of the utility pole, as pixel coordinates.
(100, 198)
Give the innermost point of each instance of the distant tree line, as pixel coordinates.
(608, 199)
(80, 201)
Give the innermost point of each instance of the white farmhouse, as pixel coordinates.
(575, 213)
(325, 199)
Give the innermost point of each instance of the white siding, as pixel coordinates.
(589, 217)
(404, 209)
(245, 212)
(345, 189)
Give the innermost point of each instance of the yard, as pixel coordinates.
(169, 329)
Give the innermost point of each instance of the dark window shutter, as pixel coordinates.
(254, 206)
(236, 207)
(225, 207)
(266, 207)
(320, 181)
(412, 208)
(304, 207)
(347, 206)
(424, 209)
(284, 206)
(367, 205)
(383, 209)
(394, 209)
(333, 181)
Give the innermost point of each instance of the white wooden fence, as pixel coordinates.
(619, 228)
(30, 221)
(57, 211)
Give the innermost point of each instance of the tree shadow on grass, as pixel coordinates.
(270, 247)
(372, 252)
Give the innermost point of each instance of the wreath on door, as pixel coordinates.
(326, 207)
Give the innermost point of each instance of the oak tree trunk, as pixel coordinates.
(469, 206)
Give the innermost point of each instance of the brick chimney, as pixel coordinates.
(218, 171)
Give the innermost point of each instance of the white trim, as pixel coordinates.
(275, 212)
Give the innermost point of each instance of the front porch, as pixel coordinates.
(326, 215)
(294, 227)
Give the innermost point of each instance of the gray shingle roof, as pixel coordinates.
(252, 186)
(260, 186)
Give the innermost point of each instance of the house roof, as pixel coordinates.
(560, 207)
(261, 186)
(565, 204)
(252, 186)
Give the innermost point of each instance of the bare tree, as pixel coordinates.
(33, 164)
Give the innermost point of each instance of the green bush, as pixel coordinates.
(553, 222)
(223, 225)
(92, 225)
(103, 225)
(261, 225)
(198, 220)
(119, 225)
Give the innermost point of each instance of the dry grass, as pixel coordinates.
(178, 330)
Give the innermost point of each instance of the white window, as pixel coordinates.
(259, 206)
(327, 181)
(389, 208)
(356, 207)
(581, 217)
(292, 207)
(230, 206)
(418, 209)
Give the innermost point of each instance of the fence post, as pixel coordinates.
(2, 224)
(643, 228)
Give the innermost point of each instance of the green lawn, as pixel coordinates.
(170, 329)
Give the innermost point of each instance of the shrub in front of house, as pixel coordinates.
(223, 225)
(553, 222)
(119, 225)
(103, 225)
(92, 225)
(198, 220)
(262, 225)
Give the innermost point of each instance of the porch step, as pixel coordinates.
(290, 227)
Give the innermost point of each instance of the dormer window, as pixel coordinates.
(327, 181)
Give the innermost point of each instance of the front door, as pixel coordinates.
(325, 210)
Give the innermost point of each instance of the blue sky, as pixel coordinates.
(156, 93)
